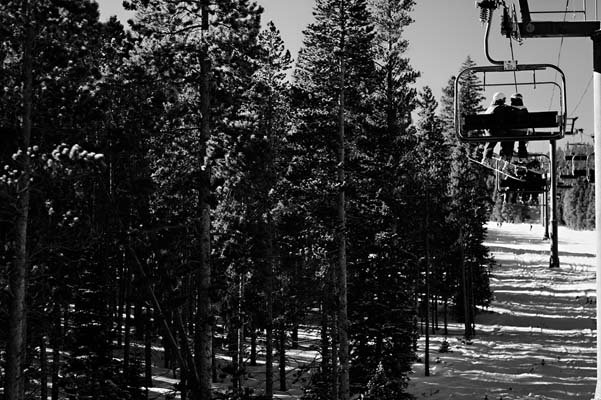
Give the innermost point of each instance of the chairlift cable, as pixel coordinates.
(515, 78)
(559, 53)
(588, 85)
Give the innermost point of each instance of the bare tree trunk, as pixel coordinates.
(472, 301)
(270, 251)
(253, 346)
(427, 279)
(43, 369)
(335, 383)
(446, 319)
(269, 325)
(282, 353)
(233, 349)
(15, 348)
(121, 299)
(294, 335)
(57, 345)
(183, 383)
(148, 349)
(188, 294)
(167, 352)
(342, 272)
(204, 327)
(466, 308)
(240, 334)
(183, 360)
(127, 327)
(436, 319)
(325, 341)
(379, 347)
(138, 322)
(214, 363)
(189, 372)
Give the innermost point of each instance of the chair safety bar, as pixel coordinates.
(580, 157)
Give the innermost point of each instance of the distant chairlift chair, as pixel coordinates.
(590, 168)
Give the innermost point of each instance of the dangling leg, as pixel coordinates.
(488, 151)
(506, 152)
(522, 151)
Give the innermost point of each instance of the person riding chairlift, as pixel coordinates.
(516, 100)
(504, 111)
(499, 107)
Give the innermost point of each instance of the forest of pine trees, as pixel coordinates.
(174, 188)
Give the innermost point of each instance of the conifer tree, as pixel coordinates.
(197, 60)
(333, 77)
(249, 200)
(54, 103)
(395, 74)
(578, 206)
(14, 388)
(470, 203)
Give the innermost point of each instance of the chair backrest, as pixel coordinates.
(541, 119)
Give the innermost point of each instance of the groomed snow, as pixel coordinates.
(537, 338)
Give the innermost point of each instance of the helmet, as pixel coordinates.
(516, 99)
(498, 97)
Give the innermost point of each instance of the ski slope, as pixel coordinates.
(537, 338)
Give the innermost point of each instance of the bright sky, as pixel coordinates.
(446, 32)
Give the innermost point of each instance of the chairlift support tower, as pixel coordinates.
(527, 28)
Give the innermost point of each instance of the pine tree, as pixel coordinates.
(470, 204)
(394, 93)
(333, 77)
(250, 199)
(58, 105)
(15, 381)
(590, 208)
(198, 64)
(578, 206)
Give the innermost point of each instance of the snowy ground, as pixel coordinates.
(298, 362)
(537, 340)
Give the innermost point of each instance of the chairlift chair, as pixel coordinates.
(471, 127)
(512, 185)
(590, 168)
(577, 161)
(533, 182)
(575, 167)
(523, 190)
(580, 148)
(534, 185)
(570, 122)
(543, 159)
(579, 168)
